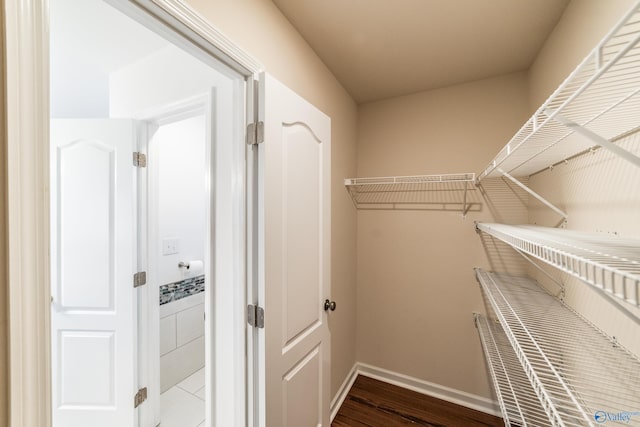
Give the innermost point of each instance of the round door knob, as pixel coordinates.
(329, 305)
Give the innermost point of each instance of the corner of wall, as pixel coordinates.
(264, 32)
(582, 25)
(4, 283)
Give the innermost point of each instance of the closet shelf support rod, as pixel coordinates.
(464, 205)
(592, 136)
(534, 194)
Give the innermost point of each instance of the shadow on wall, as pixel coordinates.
(507, 204)
(599, 191)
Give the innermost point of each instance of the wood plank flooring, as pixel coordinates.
(373, 403)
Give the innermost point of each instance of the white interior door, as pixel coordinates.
(93, 259)
(297, 213)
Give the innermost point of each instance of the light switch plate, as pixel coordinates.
(170, 246)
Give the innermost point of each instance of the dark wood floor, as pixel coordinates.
(372, 403)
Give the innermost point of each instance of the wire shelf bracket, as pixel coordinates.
(547, 203)
(597, 139)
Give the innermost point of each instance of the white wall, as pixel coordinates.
(166, 76)
(179, 181)
(179, 149)
(78, 92)
(80, 66)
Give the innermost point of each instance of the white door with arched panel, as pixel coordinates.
(297, 212)
(93, 313)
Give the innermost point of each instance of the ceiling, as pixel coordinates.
(80, 65)
(383, 48)
(110, 40)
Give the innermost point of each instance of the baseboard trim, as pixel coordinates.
(438, 391)
(341, 395)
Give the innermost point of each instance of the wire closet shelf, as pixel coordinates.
(609, 263)
(438, 192)
(518, 402)
(580, 376)
(600, 99)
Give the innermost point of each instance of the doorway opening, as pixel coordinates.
(177, 201)
(148, 225)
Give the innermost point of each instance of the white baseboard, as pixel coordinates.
(341, 395)
(438, 391)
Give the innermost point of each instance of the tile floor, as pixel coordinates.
(183, 404)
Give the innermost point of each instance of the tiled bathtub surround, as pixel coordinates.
(184, 288)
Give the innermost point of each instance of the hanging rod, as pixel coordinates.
(432, 192)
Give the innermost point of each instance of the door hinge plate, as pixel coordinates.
(140, 397)
(255, 316)
(255, 133)
(139, 279)
(139, 159)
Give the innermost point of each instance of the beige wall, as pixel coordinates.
(416, 287)
(4, 344)
(598, 191)
(583, 24)
(260, 29)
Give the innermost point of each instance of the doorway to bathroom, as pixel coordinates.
(148, 269)
(176, 146)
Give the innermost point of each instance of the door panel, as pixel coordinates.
(301, 224)
(300, 400)
(80, 353)
(297, 270)
(93, 254)
(85, 202)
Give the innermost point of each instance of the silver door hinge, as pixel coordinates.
(140, 397)
(255, 316)
(255, 133)
(139, 279)
(139, 159)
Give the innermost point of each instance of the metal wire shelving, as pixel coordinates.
(580, 376)
(518, 402)
(609, 263)
(598, 103)
(436, 192)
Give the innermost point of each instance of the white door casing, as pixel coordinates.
(297, 212)
(93, 262)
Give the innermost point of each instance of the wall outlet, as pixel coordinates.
(170, 246)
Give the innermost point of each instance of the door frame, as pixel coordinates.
(148, 246)
(26, 25)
